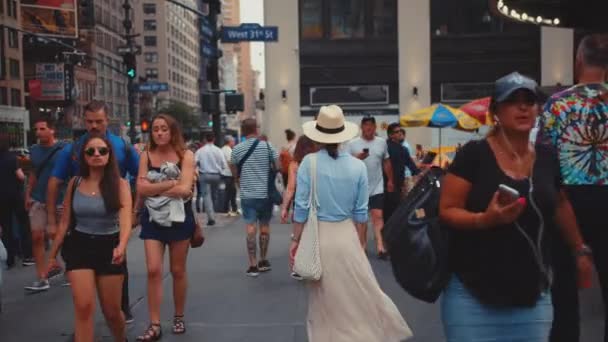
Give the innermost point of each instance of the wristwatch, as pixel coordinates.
(293, 238)
(583, 251)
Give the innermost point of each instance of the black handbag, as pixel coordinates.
(273, 193)
(417, 244)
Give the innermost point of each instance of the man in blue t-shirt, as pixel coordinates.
(96, 121)
(43, 158)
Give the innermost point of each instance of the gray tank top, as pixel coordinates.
(91, 216)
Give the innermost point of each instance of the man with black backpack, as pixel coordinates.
(43, 157)
(96, 115)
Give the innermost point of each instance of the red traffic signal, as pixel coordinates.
(145, 126)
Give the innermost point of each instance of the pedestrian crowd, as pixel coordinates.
(522, 213)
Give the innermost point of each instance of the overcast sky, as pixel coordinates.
(252, 11)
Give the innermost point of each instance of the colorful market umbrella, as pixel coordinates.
(479, 109)
(440, 116)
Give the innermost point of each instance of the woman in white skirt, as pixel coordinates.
(347, 304)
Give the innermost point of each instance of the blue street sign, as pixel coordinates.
(250, 33)
(209, 51)
(152, 87)
(206, 28)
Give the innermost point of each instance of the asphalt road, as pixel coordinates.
(223, 304)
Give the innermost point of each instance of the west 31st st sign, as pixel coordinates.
(249, 33)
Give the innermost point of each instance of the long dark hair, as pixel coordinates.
(177, 139)
(110, 181)
(332, 150)
(304, 146)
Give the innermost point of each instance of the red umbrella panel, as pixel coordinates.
(479, 109)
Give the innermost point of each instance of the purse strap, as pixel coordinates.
(313, 200)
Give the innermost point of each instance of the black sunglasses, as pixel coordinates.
(91, 151)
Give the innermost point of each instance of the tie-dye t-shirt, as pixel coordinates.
(575, 122)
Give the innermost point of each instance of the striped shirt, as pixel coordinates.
(255, 170)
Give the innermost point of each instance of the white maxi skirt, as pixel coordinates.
(347, 304)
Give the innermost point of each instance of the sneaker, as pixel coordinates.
(28, 262)
(296, 276)
(129, 318)
(252, 271)
(264, 266)
(211, 223)
(39, 286)
(55, 271)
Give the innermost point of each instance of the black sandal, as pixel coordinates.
(152, 333)
(179, 327)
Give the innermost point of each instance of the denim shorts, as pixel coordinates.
(256, 210)
(465, 319)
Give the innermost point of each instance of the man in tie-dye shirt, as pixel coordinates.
(575, 122)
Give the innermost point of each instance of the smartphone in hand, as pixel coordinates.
(507, 195)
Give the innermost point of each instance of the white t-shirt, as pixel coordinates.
(227, 150)
(210, 159)
(378, 152)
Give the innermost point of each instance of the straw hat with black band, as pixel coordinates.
(330, 127)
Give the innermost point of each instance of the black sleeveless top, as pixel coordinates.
(498, 265)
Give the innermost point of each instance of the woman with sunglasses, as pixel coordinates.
(502, 201)
(166, 146)
(93, 234)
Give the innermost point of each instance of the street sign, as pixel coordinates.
(152, 87)
(209, 51)
(250, 33)
(206, 28)
(123, 50)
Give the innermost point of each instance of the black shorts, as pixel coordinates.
(83, 251)
(376, 202)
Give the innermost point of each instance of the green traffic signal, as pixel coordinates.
(210, 123)
(131, 73)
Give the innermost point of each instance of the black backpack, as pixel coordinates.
(416, 242)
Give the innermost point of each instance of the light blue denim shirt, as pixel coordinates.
(341, 188)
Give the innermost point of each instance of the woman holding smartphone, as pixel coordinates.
(502, 201)
(94, 232)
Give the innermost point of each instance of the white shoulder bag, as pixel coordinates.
(307, 262)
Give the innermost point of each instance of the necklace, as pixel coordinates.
(519, 159)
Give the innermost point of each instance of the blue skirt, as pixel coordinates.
(179, 231)
(465, 319)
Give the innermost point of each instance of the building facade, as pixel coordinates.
(170, 50)
(386, 58)
(14, 120)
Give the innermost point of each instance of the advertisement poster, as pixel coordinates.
(52, 81)
(49, 17)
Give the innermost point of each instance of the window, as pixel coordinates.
(311, 19)
(150, 25)
(15, 97)
(3, 96)
(102, 86)
(97, 14)
(347, 19)
(149, 8)
(100, 62)
(14, 68)
(150, 41)
(1, 6)
(151, 57)
(109, 87)
(383, 17)
(12, 8)
(152, 72)
(13, 38)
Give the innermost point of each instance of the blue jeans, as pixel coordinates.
(465, 319)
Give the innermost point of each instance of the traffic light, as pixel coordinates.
(224, 121)
(128, 124)
(130, 65)
(145, 126)
(86, 14)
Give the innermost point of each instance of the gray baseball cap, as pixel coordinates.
(507, 85)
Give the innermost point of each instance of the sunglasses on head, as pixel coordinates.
(91, 151)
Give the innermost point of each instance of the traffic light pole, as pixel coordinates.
(213, 74)
(131, 98)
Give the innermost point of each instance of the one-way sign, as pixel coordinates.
(250, 33)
